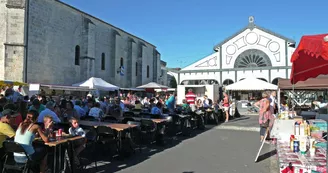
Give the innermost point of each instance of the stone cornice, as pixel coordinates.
(234, 69)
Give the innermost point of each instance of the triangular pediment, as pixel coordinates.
(252, 26)
(209, 62)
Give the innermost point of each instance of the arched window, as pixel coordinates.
(121, 62)
(252, 58)
(136, 68)
(147, 71)
(77, 55)
(103, 61)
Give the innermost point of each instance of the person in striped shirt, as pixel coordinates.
(191, 99)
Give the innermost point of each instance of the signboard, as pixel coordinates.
(33, 89)
(282, 129)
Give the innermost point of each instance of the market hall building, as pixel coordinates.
(253, 51)
(50, 42)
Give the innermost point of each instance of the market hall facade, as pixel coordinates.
(253, 51)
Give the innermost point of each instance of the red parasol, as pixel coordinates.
(310, 59)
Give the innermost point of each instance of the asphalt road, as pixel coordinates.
(227, 148)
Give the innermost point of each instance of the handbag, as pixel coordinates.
(264, 124)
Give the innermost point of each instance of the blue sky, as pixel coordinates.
(185, 31)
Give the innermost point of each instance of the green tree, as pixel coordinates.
(173, 82)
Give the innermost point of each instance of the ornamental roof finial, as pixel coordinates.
(251, 20)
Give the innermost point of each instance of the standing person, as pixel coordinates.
(191, 99)
(265, 119)
(226, 106)
(273, 102)
(170, 103)
(263, 107)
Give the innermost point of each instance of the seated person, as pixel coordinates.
(48, 123)
(185, 106)
(216, 107)
(137, 105)
(96, 111)
(18, 115)
(6, 130)
(76, 130)
(157, 110)
(25, 136)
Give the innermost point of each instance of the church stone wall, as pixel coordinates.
(54, 30)
(12, 15)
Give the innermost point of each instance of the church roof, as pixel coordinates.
(251, 26)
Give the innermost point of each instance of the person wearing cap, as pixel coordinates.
(18, 115)
(49, 110)
(6, 131)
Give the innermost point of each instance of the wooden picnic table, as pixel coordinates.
(65, 138)
(115, 126)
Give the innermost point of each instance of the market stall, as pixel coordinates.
(301, 144)
(98, 84)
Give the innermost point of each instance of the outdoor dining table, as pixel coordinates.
(57, 143)
(119, 128)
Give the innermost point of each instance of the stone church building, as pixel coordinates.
(252, 51)
(50, 42)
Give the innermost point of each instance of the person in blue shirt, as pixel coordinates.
(157, 110)
(170, 103)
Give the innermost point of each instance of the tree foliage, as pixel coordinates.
(173, 83)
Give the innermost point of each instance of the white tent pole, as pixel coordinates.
(278, 100)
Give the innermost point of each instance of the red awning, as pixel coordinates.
(310, 59)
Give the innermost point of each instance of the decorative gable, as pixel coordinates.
(209, 62)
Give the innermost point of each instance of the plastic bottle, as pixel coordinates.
(297, 129)
(303, 145)
(292, 137)
(302, 129)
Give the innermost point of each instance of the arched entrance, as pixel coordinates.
(227, 82)
(263, 79)
(275, 81)
(200, 82)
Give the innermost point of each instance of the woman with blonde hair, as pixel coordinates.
(265, 115)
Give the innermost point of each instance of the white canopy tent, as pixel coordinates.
(153, 85)
(98, 84)
(251, 84)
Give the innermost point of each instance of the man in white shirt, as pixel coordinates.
(273, 101)
(49, 111)
(320, 103)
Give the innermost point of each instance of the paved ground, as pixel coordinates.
(227, 148)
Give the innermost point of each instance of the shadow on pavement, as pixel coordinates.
(110, 164)
(267, 155)
(239, 118)
(188, 172)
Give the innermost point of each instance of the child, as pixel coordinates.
(75, 130)
(48, 126)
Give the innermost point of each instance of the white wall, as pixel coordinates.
(255, 73)
(200, 75)
(228, 75)
(281, 73)
(209, 62)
